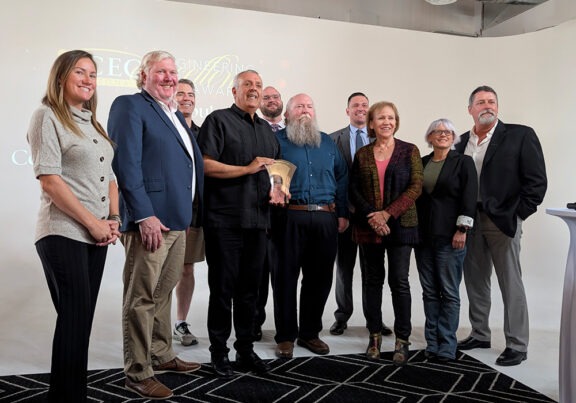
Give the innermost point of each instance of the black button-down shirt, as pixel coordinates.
(231, 137)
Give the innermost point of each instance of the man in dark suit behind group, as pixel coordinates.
(348, 140)
(159, 169)
(512, 179)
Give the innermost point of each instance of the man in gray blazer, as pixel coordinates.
(512, 179)
(348, 140)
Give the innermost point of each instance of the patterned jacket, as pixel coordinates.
(402, 186)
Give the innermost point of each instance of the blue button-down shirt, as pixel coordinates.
(364, 135)
(321, 175)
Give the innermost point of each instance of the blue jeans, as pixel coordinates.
(440, 268)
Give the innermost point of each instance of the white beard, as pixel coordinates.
(304, 132)
(487, 118)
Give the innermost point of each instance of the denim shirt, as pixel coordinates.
(321, 175)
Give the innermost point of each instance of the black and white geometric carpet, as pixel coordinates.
(333, 378)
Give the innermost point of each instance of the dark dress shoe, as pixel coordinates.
(338, 328)
(386, 331)
(285, 349)
(317, 346)
(442, 359)
(257, 333)
(222, 367)
(430, 355)
(176, 365)
(511, 357)
(470, 343)
(149, 388)
(250, 361)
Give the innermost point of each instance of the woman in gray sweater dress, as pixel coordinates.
(78, 215)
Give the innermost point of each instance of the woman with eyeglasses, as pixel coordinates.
(446, 212)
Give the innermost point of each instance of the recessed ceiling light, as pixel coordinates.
(440, 2)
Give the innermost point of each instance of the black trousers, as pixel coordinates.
(373, 274)
(235, 259)
(262, 300)
(73, 271)
(308, 242)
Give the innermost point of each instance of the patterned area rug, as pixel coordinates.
(333, 378)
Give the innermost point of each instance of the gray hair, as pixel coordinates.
(235, 83)
(484, 88)
(448, 125)
(147, 61)
(187, 82)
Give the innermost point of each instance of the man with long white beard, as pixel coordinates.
(306, 235)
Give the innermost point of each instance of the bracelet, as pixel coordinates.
(116, 218)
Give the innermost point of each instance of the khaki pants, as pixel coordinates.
(148, 282)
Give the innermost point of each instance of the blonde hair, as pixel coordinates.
(377, 107)
(54, 97)
(147, 62)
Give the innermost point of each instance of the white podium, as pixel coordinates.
(567, 367)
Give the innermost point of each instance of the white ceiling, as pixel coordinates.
(475, 18)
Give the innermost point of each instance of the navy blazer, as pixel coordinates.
(152, 165)
(455, 194)
(513, 178)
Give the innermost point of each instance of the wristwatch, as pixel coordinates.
(116, 218)
(463, 229)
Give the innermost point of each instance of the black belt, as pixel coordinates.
(313, 207)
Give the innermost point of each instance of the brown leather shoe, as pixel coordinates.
(285, 349)
(317, 346)
(149, 388)
(176, 365)
(401, 353)
(374, 345)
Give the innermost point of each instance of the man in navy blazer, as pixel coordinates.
(512, 183)
(347, 142)
(159, 169)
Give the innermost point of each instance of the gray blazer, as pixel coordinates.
(342, 139)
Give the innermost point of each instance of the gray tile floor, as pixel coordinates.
(27, 318)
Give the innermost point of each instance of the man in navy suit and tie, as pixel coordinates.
(512, 179)
(349, 140)
(159, 169)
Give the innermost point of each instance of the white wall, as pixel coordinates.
(428, 76)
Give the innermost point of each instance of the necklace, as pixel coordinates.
(383, 151)
(382, 148)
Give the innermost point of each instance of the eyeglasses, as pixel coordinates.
(441, 132)
(269, 97)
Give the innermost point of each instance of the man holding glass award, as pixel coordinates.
(237, 146)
